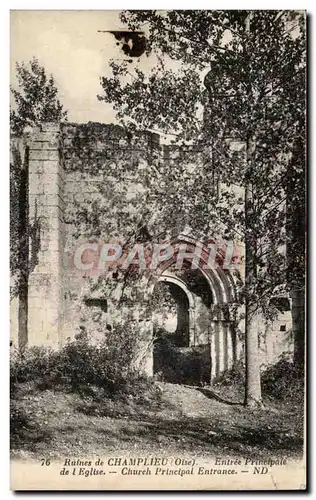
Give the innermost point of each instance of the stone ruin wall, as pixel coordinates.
(73, 168)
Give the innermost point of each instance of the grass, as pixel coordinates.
(167, 419)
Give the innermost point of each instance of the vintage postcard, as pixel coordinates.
(157, 215)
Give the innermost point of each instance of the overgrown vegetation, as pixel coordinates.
(98, 374)
(108, 365)
(284, 381)
(281, 381)
(89, 397)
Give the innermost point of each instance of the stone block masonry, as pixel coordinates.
(97, 181)
(46, 222)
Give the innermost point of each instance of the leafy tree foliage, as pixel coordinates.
(246, 72)
(36, 99)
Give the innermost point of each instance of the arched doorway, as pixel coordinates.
(176, 359)
(204, 318)
(172, 313)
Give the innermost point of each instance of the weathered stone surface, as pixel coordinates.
(81, 171)
(46, 206)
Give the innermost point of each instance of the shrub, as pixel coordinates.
(282, 380)
(233, 377)
(31, 364)
(80, 364)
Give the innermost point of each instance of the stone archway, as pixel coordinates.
(212, 327)
(188, 309)
(174, 357)
(186, 362)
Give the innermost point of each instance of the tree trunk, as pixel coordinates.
(298, 328)
(252, 379)
(253, 382)
(252, 375)
(296, 247)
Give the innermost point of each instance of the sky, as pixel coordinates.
(68, 45)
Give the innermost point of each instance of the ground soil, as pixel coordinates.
(176, 419)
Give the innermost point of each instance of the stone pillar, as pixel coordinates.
(229, 346)
(220, 356)
(192, 333)
(213, 340)
(46, 206)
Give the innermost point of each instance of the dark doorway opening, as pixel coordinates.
(174, 360)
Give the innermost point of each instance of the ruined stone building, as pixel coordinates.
(77, 173)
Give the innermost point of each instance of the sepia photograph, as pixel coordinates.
(158, 233)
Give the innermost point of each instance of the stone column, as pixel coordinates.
(192, 335)
(46, 207)
(212, 349)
